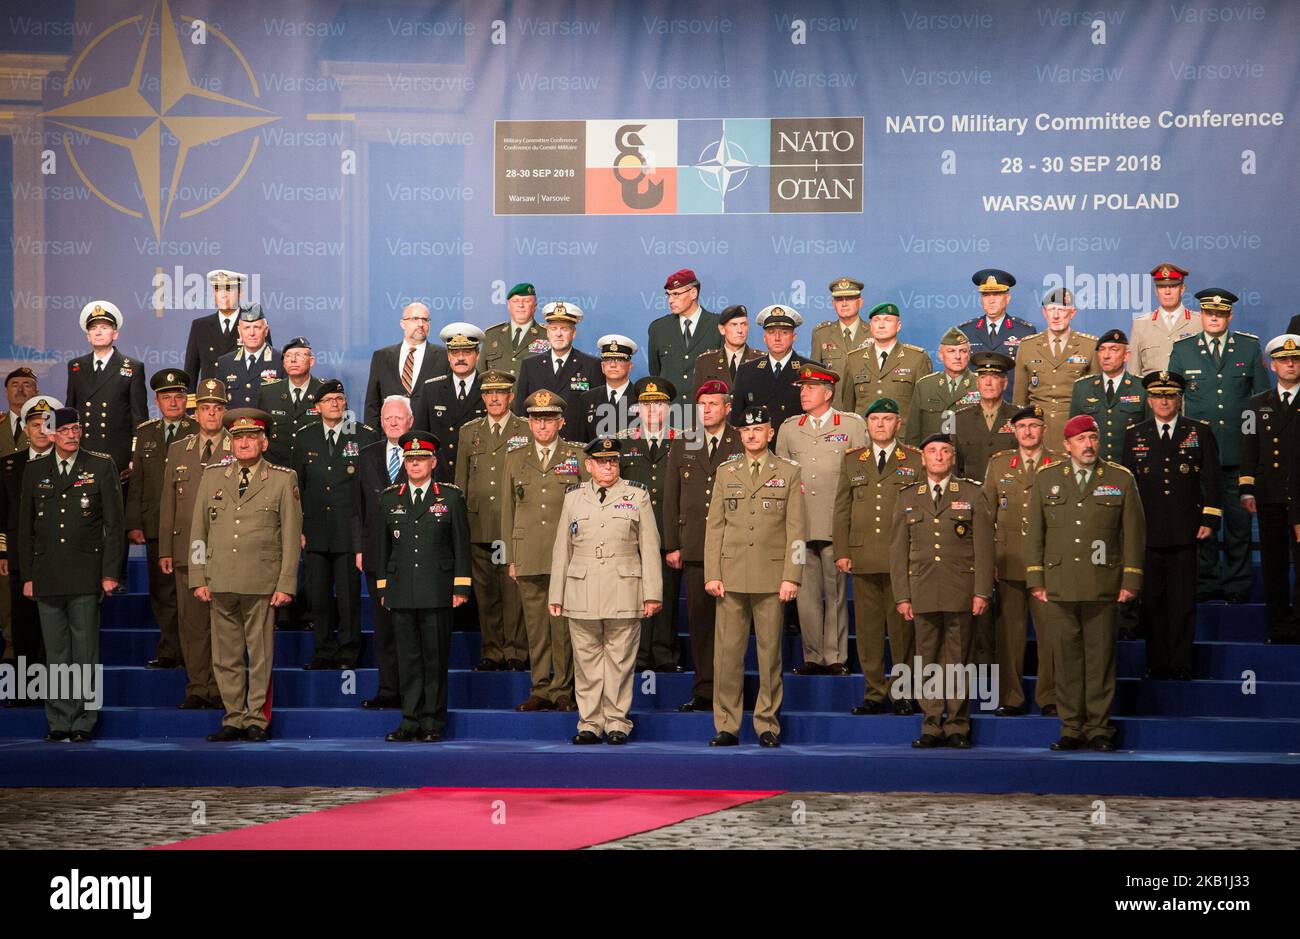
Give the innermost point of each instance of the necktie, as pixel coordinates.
(461, 396)
(243, 481)
(735, 362)
(519, 335)
(394, 465)
(776, 370)
(1056, 349)
(248, 363)
(600, 494)
(558, 363)
(496, 434)
(753, 469)
(686, 331)
(1214, 350)
(654, 451)
(1164, 432)
(880, 461)
(993, 331)
(207, 453)
(1029, 466)
(938, 494)
(99, 366)
(883, 356)
(1110, 391)
(613, 397)
(848, 337)
(1286, 399)
(1082, 477)
(63, 468)
(297, 397)
(408, 371)
(333, 440)
(713, 447)
(225, 327)
(546, 455)
(418, 499)
(171, 434)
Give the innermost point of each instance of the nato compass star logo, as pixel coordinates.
(723, 166)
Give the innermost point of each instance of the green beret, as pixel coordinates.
(883, 406)
(954, 337)
(883, 309)
(522, 290)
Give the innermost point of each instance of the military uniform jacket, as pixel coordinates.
(756, 385)
(244, 381)
(207, 343)
(8, 442)
(480, 472)
(688, 490)
(1217, 394)
(637, 465)
(1067, 524)
(499, 352)
(865, 499)
(534, 496)
(1151, 341)
(668, 354)
(1008, 485)
(820, 456)
(1011, 332)
(865, 380)
(181, 478)
(714, 366)
(1113, 417)
(976, 442)
(605, 562)
(1179, 481)
(423, 555)
(325, 480)
(442, 414)
(1049, 382)
(70, 534)
(12, 466)
(591, 420)
(111, 404)
(753, 526)
(830, 349)
(581, 373)
(941, 558)
(251, 544)
(1268, 454)
(287, 417)
(932, 400)
(144, 495)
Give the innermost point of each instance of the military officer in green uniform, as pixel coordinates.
(1049, 363)
(984, 428)
(326, 456)
(865, 496)
(833, 340)
(723, 364)
(605, 578)
(424, 557)
(485, 442)
(71, 544)
(937, 397)
(246, 537)
(887, 368)
(941, 571)
(755, 530)
(534, 481)
(1113, 397)
(291, 401)
(1223, 369)
(507, 344)
(144, 502)
(681, 335)
(1084, 552)
(1008, 484)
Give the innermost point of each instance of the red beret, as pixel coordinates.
(713, 387)
(683, 278)
(1078, 425)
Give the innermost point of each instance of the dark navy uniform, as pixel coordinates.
(244, 379)
(581, 373)
(111, 401)
(441, 411)
(757, 384)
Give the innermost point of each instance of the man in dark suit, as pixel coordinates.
(448, 402)
(564, 370)
(678, 337)
(380, 466)
(604, 410)
(403, 368)
(107, 388)
(723, 363)
(216, 334)
(768, 381)
(253, 364)
(291, 401)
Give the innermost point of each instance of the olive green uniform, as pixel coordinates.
(980, 434)
(1114, 412)
(1048, 380)
(934, 406)
(831, 348)
(865, 379)
(499, 351)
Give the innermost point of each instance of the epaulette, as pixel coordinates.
(435, 378)
(452, 486)
(994, 456)
(785, 459)
(633, 482)
(392, 487)
(219, 464)
(276, 466)
(156, 420)
(908, 345)
(1119, 466)
(102, 456)
(973, 482)
(573, 486)
(368, 427)
(825, 324)
(857, 449)
(909, 448)
(1242, 332)
(1095, 378)
(1085, 335)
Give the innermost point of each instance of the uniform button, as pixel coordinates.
(937, 558)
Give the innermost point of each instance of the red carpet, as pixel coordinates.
(472, 819)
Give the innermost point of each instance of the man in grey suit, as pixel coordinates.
(680, 335)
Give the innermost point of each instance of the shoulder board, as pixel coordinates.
(1118, 466)
(781, 459)
(150, 423)
(1001, 453)
(367, 427)
(857, 450)
(1247, 335)
(429, 381)
(392, 487)
(472, 421)
(102, 456)
(452, 486)
(825, 324)
(216, 464)
(1203, 425)
(573, 486)
(973, 482)
(1092, 378)
(276, 466)
(908, 345)
(1038, 335)
(633, 482)
(1086, 335)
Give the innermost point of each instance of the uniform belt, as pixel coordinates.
(605, 552)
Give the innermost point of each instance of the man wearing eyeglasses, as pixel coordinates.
(678, 337)
(404, 367)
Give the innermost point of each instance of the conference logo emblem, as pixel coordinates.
(638, 192)
(159, 112)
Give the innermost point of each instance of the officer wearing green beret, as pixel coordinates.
(70, 517)
(984, 428)
(1223, 369)
(424, 552)
(887, 368)
(933, 406)
(1049, 363)
(506, 344)
(833, 340)
(1113, 397)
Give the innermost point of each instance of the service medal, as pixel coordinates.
(961, 529)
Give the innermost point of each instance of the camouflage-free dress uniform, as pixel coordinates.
(865, 379)
(244, 379)
(715, 366)
(1048, 381)
(1151, 340)
(1267, 457)
(1083, 546)
(865, 499)
(287, 415)
(831, 348)
(941, 558)
(978, 438)
(1115, 413)
(936, 400)
(499, 351)
(246, 550)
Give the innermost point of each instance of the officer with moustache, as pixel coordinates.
(723, 364)
(693, 462)
(684, 333)
(833, 340)
(996, 330)
(450, 401)
(1113, 398)
(606, 409)
(505, 345)
(291, 401)
(769, 380)
(253, 364)
(887, 368)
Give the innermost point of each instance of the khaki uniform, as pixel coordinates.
(1151, 339)
(865, 499)
(749, 543)
(604, 567)
(978, 437)
(830, 348)
(534, 499)
(480, 476)
(251, 552)
(1048, 380)
(175, 515)
(1006, 494)
(498, 351)
(940, 559)
(823, 600)
(1083, 580)
(713, 365)
(864, 380)
(933, 403)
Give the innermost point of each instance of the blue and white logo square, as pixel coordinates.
(725, 166)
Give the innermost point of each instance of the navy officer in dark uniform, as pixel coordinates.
(997, 330)
(450, 401)
(107, 388)
(253, 364)
(768, 381)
